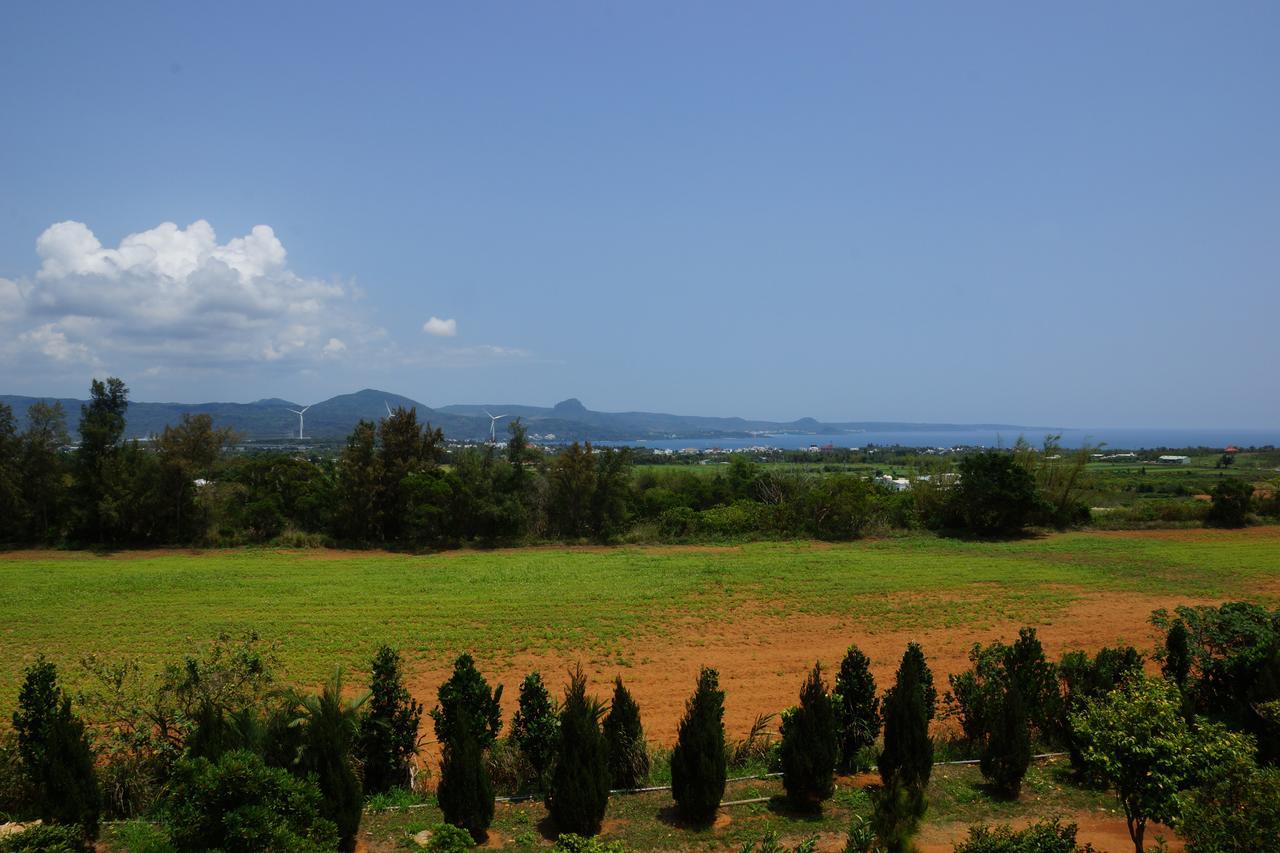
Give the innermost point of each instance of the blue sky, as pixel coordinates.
(947, 212)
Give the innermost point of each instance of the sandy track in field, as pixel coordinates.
(762, 659)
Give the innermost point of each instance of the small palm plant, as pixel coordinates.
(329, 726)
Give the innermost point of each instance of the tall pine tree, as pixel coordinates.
(698, 763)
(465, 793)
(907, 757)
(857, 708)
(55, 752)
(388, 738)
(536, 725)
(809, 745)
(579, 790)
(628, 753)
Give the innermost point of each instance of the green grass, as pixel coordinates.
(328, 608)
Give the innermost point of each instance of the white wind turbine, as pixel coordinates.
(493, 426)
(300, 414)
(388, 405)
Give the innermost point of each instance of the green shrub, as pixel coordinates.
(1083, 679)
(509, 769)
(809, 745)
(698, 762)
(465, 793)
(628, 753)
(45, 838)
(17, 794)
(579, 791)
(447, 838)
(55, 752)
(570, 843)
(239, 804)
(536, 725)
(1230, 504)
(388, 736)
(857, 709)
(1044, 836)
(994, 496)
(896, 812)
(1237, 812)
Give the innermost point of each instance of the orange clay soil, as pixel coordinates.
(762, 658)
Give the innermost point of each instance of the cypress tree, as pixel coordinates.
(388, 737)
(698, 762)
(857, 708)
(55, 752)
(809, 745)
(466, 692)
(907, 757)
(579, 790)
(465, 793)
(1006, 754)
(536, 725)
(628, 754)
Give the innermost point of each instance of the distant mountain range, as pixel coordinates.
(568, 420)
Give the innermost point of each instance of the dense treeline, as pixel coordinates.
(215, 753)
(396, 483)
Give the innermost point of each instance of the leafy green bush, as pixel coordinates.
(55, 752)
(17, 794)
(857, 709)
(536, 725)
(45, 838)
(809, 745)
(570, 843)
(241, 804)
(698, 762)
(1138, 742)
(994, 495)
(388, 736)
(896, 812)
(447, 838)
(1230, 504)
(1044, 836)
(1236, 812)
(579, 791)
(1083, 679)
(628, 753)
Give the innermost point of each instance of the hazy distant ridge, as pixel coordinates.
(567, 420)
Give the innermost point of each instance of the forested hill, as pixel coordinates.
(334, 418)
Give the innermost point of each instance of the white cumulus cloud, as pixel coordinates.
(174, 296)
(440, 328)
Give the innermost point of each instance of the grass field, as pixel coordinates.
(327, 608)
(760, 612)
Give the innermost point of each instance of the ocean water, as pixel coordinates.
(1113, 438)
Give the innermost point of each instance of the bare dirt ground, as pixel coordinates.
(762, 659)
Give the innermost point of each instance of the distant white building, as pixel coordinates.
(1175, 460)
(897, 484)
